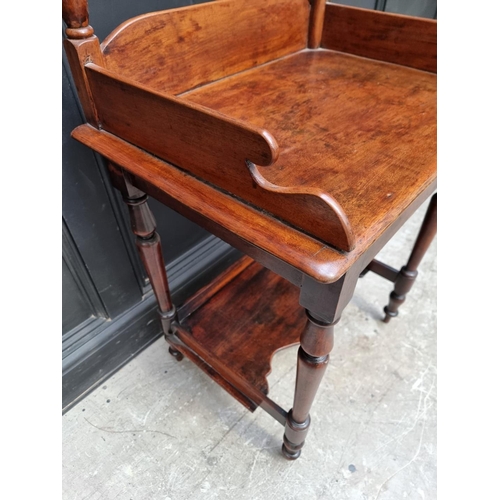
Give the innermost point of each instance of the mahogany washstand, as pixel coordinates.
(301, 133)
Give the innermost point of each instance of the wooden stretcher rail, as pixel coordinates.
(394, 38)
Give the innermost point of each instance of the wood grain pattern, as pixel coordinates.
(281, 248)
(75, 14)
(80, 52)
(178, 346)
(358, 153)
(224, 151)
(208, 291)
(394, 38)
(177, 130)
(316, 21)
(202, 43)
(220, 213)
(362, 131)
(247, 321)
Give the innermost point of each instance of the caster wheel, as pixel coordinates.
(176, 354)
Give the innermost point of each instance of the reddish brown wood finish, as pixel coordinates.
(177, 347)
(284, 249)
(247, 321)
(81, 48)
(358, 154)
(75, 14)
(408, 274)
(394, 38)
(316, 23)
(217, 148)
(203, 43)
(205, 293)
(360, 131)
(80, 52)
(175, 128)
(148, 243)
(239, 383)
(316, 342)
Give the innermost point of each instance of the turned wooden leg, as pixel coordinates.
(149, 246)
(408, 274)
(316, 342)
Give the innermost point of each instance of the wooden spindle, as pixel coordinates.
(408, 274)
(316, 20)
(316, 342)
(82, 47)
(76, 16)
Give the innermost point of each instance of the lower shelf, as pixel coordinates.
(236, 324)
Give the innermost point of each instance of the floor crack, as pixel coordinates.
(126, 431)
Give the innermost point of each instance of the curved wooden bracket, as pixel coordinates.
(304, 207)
(216, 148)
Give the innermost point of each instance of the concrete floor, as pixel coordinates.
(159, 429)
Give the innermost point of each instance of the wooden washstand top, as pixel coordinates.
(311, 154)
(361, 132)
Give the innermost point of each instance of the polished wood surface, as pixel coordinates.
(176, 128)
(362, 132)
(356, 188)
(284, 249)
(147, 241)
(406, 277)
(343, 174)
(203, 43)
(394, 38)
(224, 151)
(75, 14)
(316, 21)
(306, 160)
(204, 294)
(316, 342)
(204, 204)
(247, 321)
(80, 52)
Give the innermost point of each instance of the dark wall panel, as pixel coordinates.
(75, 307)
(109, 312)
(419, 8)
(177, 234)
(89, 216)
(364, 4)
